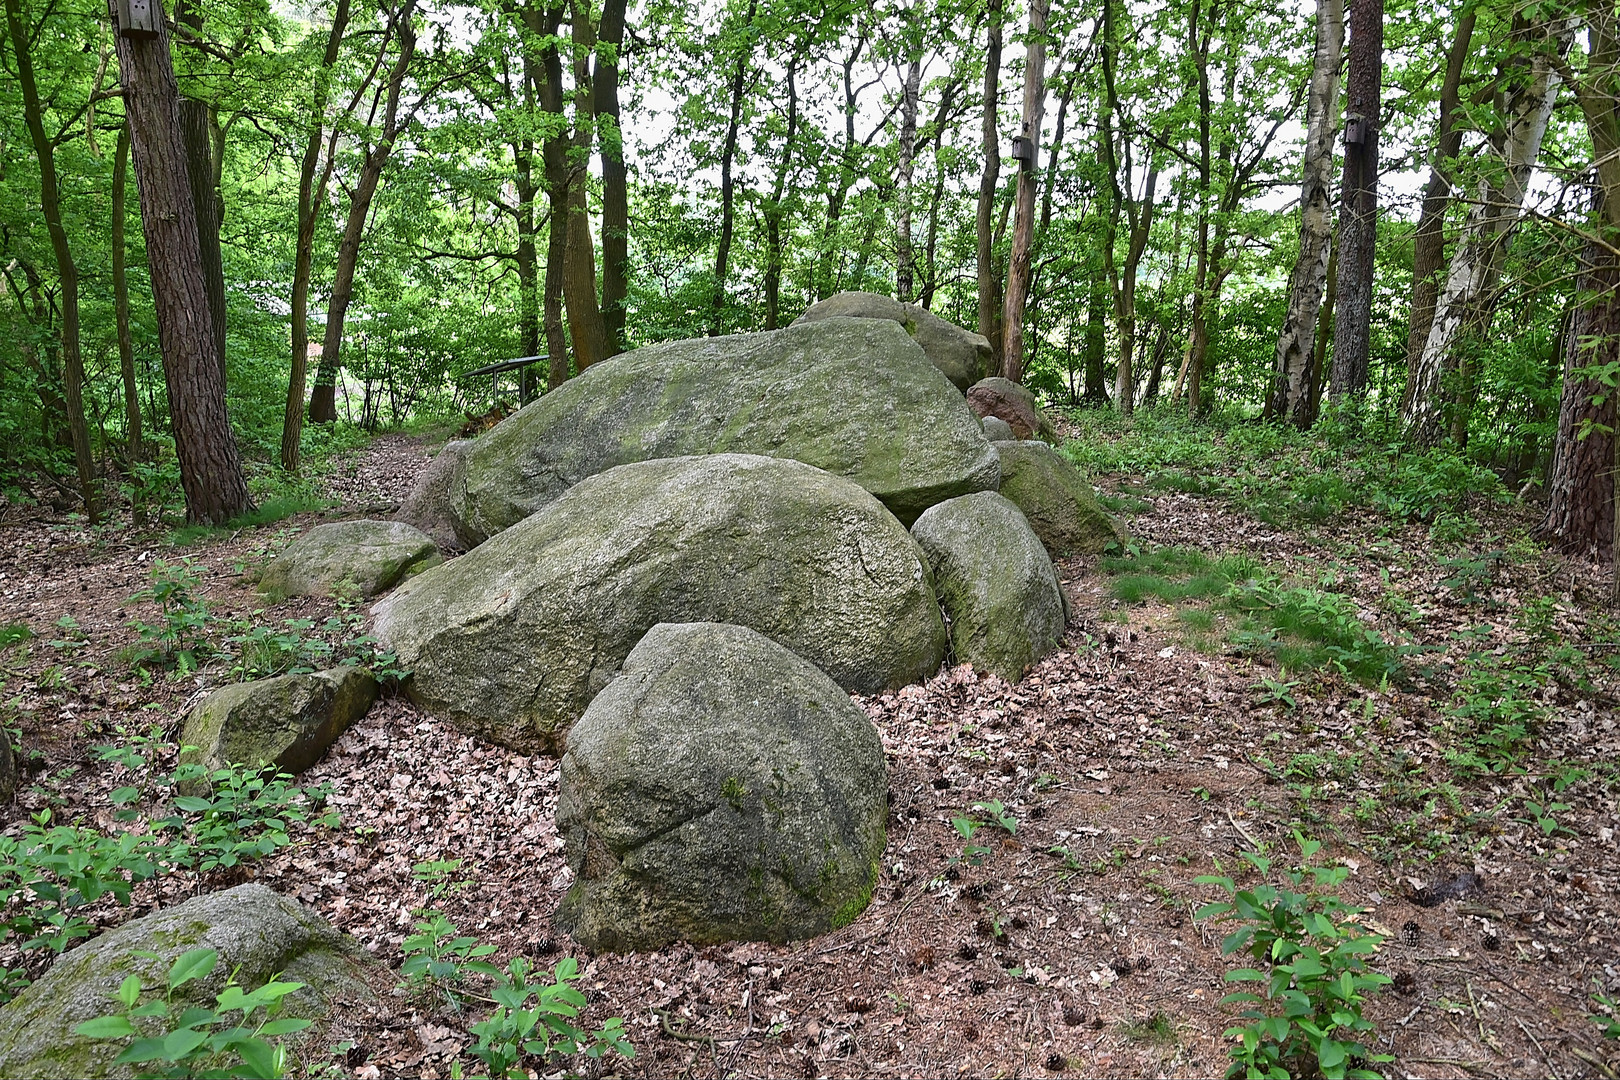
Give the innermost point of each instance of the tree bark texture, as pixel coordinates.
(1019, 270)
(311, 197)
(1358, 213)
(1464, 300)
(905, 268)
(1581, 494)
(67, 272)
(1289, 399)
(120, 283)
(774, 209)
(196, 131)
(210, 463)
(1429, 243)
(615, 181)
(989, 181)
(585, 323)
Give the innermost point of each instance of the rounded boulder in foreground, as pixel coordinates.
(720, 789)
(512, 640)
(995, 581)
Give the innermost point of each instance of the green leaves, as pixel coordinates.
(1306, 1017)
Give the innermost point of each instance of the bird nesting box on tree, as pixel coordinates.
(1355, 130)
(138, 18)
(1023, 151)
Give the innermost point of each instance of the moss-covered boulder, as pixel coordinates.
(429, 506)
(961, 355)
(370, 556)
(1014, 405)
(1056, 499)
(512, 640)
(853, 397)
(720, 789)
(257, 933)
(285, 723)
(995, 582)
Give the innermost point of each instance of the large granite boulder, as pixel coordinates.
(284, 723)
(257, 934)
(513, 639)
(720, 789)
(853, 397)
(429, 506)
(371, 556)
(1014, 405)
(994, 580)
(996, 429)
(961, 355)
(1056, 499)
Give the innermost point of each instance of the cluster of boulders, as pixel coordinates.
(678, 568)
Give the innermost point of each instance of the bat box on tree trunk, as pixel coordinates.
(1355, 129)
(138, 18)
(1023, 150)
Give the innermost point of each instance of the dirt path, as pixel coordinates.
(1131, 763)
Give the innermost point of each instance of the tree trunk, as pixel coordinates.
(1580, 510)
(1463, 301)
(120, 283)
(615, 182)
(838, 194)
(1198, 343)
(67, 272)
(210, 465)
(1358, 214)
(989, 181)
(1096, 392)
(545, 76)
(774, 208)
(311, 197)
(196, 130)
(323, 401)
(905, 271)
(1318, 371)
(1289, 399)
(1018, 266)
(1429, 243)
(728, 187)
(585, 323)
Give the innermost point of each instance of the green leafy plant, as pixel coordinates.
(173, 1039)
(1608, 1017)
(437, 956)
(1544, 815)
(536, 1018)
(967, 827)
(179, 638)
(1305, 1017)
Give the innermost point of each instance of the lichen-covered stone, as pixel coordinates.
(720, 789)
(370, 556)
(854, 397)
(1056, 499)
(995, 582)
(1014, 405)
(512, 640)
(257, 933)
(996, 429)
(429, 507)
(963, 356)
(285, 723)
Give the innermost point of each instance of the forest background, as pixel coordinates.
(391, 195)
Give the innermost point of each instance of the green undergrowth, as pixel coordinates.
(268, 512)
(1256, 611)
(1281, 476)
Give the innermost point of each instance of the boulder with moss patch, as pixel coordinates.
(257, 933)
(368, 556)
(961, 355)
(512, 640)
(853, 397)
(429, 506)
(285, 723)
(1057, 500)
(720, 789)
(995, 582)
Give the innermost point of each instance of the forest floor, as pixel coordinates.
(1154, 748)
